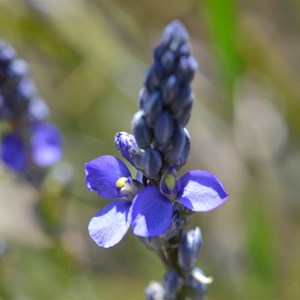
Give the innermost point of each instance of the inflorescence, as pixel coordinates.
(29, 142)
(156, 203)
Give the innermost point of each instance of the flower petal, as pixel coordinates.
(46, 142)
(201, 191)
(151, 212)
(111, 223)
(13, 152)
(102, 174)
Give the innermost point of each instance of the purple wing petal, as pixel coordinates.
(13, 152)
(201, 191)
(46, 142)
(111, 223)
(151, 212)
(102, 174)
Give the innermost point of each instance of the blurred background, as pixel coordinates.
(88, 59)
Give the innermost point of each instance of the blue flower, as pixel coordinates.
(110, 178)
(197, 190)
(13, 152)
(148, 210)
(44, 147)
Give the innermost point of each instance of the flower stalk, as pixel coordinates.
(159, 209)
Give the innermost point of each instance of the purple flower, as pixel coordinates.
(44, 148)
(110, 178)
(197, 190)
(149, 212)
(13, 152)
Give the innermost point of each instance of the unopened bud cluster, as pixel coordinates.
(18, 93)
(165, 104)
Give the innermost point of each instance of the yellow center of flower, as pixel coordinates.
(121, 182)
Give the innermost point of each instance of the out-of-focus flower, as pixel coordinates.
(31, 140)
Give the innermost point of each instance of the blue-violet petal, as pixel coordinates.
(151, 212)
(201, 191)
(111, 223)
(102, 174)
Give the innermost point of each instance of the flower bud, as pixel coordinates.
(174, 36)
(184, 116)
(164, 128)
(173, 153)
(153, 106)
(167, 61)
(152, 80)
(143, 95)
(141, 131)
(196, 284)
(19, 98)
(7, 53)
(182, 100)
(186, 150)
(128, 148)
(152, 162)
(38, 109)
(155, 291)
(187, 67)
(169, 89)
(172, 284)
(17, 69)
(189, 249)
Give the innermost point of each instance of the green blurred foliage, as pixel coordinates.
(88, 59)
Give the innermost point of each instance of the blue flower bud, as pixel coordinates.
(189, 249)
(38, 109)
(184, 50)
(169, 89)
(174, 36)
(16, 70)
(153, 107)
(183, 99)
(153, 79)
(167, 61)
(155, 291)
(164, 128)
(143, 95)
(128, 148)
(141, 131)
(186, 69)
(7, 53)
(173, 154)
(18, 99)
(172, 284)
(169, 183)
(183, 116)
(196, 284)
(186, 150)
(152, 162)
